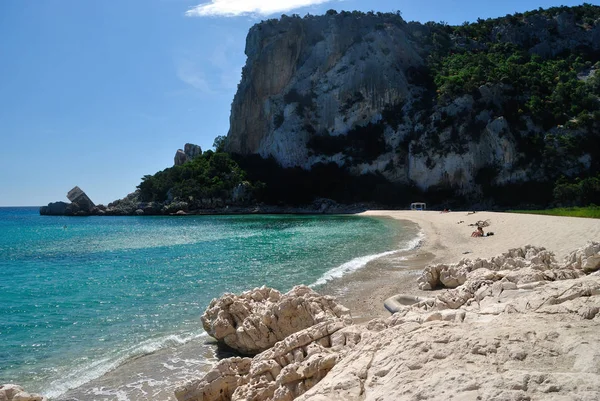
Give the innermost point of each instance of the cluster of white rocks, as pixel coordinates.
(12, 392)
(300, 336)
(255, 320)
(519, 266)
(519, 326)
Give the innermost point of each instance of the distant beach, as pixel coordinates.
(447, 239)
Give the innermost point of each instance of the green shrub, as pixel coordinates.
(210, 175)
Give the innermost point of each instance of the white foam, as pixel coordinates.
(415, 242)
(85, 373)
(349, 267)
(360, 262)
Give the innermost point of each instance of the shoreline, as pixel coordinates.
(159, 364)
(521, 327)
(444, 241)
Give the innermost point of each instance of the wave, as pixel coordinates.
(360, 262)
(414, 243)
(83, 373)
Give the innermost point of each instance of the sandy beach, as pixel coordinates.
(447, 239)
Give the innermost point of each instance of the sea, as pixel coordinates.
(108, 308)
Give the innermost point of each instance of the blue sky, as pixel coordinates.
(100, 93)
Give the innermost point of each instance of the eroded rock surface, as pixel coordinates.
(255, 320)
(520, 265)
(311, 84)
(285, 371)
(586, 258)
(535, 344)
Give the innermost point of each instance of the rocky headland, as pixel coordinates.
(239, 199)
(423, 108)
(132, 205)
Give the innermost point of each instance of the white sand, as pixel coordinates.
(448, 240)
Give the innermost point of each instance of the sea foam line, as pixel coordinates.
(85, 373)
(360, 262)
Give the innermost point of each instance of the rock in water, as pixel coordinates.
(81, 205)
(77, 196)
(283, 372)
(255, 320)
(54, 209)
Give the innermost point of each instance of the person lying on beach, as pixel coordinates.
(478, 232)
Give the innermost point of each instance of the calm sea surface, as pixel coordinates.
(80, 297)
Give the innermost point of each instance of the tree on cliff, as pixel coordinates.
(210, 175)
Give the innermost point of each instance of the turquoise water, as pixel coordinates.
(81, 296)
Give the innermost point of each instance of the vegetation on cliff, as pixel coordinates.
(207, 176)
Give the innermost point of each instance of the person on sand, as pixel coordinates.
(478, 232)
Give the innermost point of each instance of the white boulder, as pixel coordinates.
(255, 320)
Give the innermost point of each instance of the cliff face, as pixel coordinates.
(317, 75)
(361, 90)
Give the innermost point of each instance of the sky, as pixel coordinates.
(100, 93)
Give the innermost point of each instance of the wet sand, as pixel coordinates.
(364, 290)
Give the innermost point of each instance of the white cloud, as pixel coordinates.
(190, 73)
(213, 68)
(234, 8)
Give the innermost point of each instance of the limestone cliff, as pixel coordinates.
(318, 75)
(364, 91)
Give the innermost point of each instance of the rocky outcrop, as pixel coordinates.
(255, 320)
(285, 371)
(523, 344)
(54, 209)
(189, 152)
(586, 258)
(81, 205)
(519, 266)
(301, 73)
(80, 198)
(315, 90)
(13, 392)
(500, 340)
